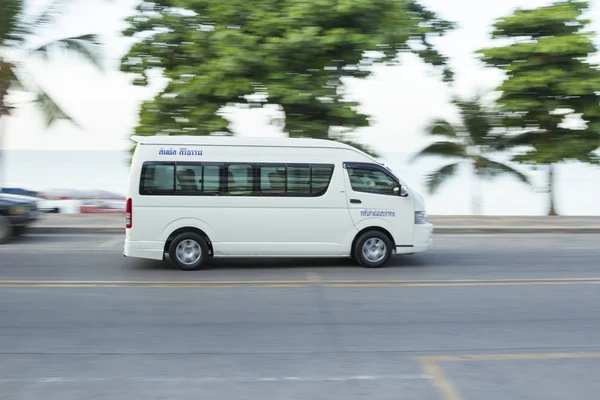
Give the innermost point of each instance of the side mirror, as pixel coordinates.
(401, 191)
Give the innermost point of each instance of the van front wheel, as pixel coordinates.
(373, 249)
(188, 251)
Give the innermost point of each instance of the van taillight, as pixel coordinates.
(128, 213)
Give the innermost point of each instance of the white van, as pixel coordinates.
(197, 197)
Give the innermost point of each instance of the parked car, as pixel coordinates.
(16, 214)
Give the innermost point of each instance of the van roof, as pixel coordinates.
(185, 140)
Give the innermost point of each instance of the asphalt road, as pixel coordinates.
(492, 317)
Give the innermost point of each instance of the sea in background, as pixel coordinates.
(577, 185)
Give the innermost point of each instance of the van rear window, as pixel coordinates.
(157, 178)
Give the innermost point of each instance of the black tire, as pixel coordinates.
(192, 239)
(6, 230)
(380, 241)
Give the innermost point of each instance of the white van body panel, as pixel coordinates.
(247, 226)
(397, 217)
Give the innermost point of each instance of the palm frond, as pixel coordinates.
(440, 127)
(477, 119)
(85, 46)
(442, 149)
(16, 83)
(51, 110)
(489, 169)
(524, 139)
(434, 180)
(54, 9)
(9, 18)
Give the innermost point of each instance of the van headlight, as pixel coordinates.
(420, 217)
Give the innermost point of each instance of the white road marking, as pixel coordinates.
(50, 380)
(111, 243)
(54, 380)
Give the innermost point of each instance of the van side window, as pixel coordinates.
(298, 180)
(235, 179)
(320, 178)
(272, 180)
(294, 180)
(239, 179)
(157, 178)
(189, 178)
(211, 179)
(371, 181)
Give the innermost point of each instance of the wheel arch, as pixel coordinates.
(185, 229)
(373, 228)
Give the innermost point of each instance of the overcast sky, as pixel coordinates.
(400, 99)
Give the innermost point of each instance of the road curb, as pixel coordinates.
(439, 230)
(491, 230)
(75, 230)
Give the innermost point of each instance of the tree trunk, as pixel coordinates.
(552, 210)
(476, 192)
(4, 109)
(3, 125)
(2, 166)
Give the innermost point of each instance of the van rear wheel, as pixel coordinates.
(188, 251)
(373, 249)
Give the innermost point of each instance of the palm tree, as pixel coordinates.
(18, 33)
(468, 143)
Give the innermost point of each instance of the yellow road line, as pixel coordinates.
(105, 285)
(121, 285)
(183, 286)
(455, 280)
(313, 277)
(313, 280)
(465, 284)
(302, 283)
(512, 357)
(175, 283)
(449, 391)
(444, 385)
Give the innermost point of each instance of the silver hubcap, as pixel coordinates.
(374, 250)
(188, 252)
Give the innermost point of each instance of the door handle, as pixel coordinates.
(355, 201)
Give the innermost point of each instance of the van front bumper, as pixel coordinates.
(423, 237)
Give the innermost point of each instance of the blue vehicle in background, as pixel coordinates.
(17, 212)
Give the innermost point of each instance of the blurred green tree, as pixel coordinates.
(294, 54)
(19, 37)
(469, 142)
(550, 95)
